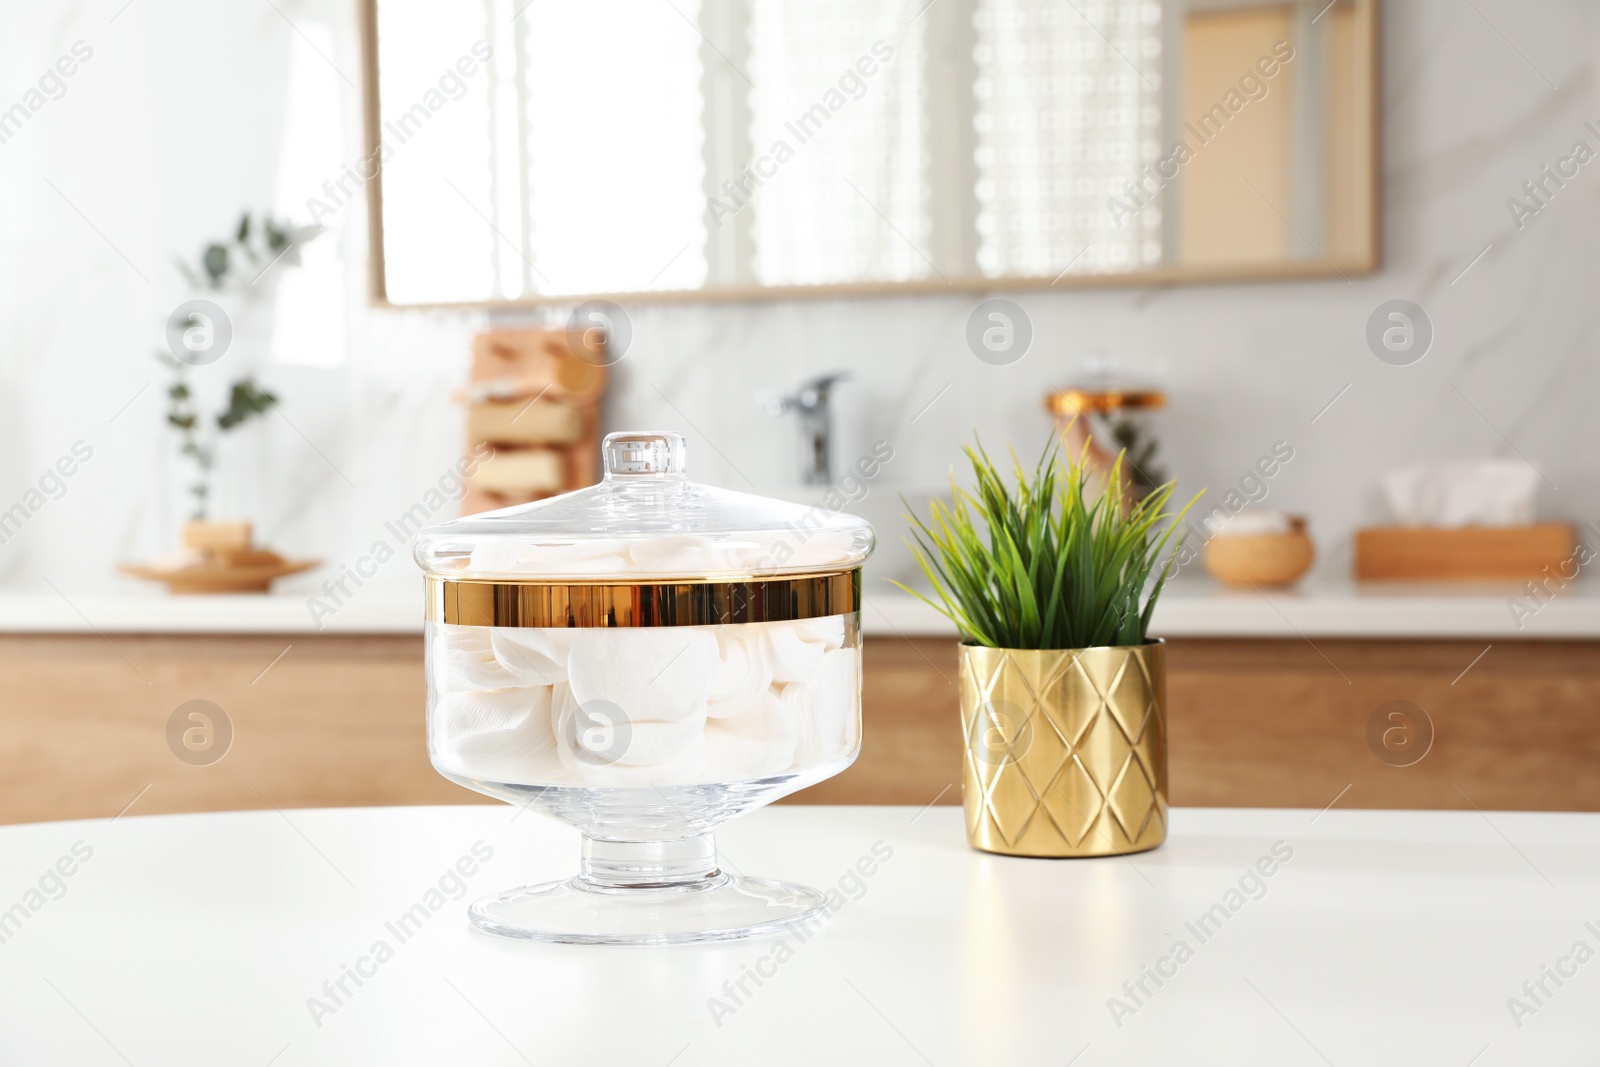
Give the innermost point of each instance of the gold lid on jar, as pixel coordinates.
(707, 602)
(1068, 402)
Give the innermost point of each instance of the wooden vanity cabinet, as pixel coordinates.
(328, 721)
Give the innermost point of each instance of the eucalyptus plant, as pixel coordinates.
(1041, 561)
(198, 438)
(235, 262)
(252, 244)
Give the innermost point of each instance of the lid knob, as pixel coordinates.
(634, 452)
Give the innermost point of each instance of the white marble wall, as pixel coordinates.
(157, 141)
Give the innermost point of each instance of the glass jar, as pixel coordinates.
(1102, 420)
(644, 659)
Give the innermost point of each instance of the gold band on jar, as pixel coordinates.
(467, 602)
(1067, 402)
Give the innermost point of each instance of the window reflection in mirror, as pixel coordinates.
(546, 149)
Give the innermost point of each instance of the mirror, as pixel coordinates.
(547, 150)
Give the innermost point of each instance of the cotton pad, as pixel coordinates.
(598, 748)
(759, 742)
(827, 632)
(654, 674)
(695, 555)
(793, 658)
(647, 706)
(533, 656)
(469, 662)
(586, 558)
(823, 709)
(504, 734)
(743, 672)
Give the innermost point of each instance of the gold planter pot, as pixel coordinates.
(1066, 750)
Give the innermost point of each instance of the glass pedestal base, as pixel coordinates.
(648, 893)
(574, 911)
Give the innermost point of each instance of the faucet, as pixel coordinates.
(810, 402)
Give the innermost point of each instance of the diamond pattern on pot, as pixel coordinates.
(1065, 750)
(1073, 801)
(1132, 797)
(1131, 697)
(1017, 745)
(1074, 696)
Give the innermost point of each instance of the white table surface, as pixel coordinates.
(1387, 938)
(1190, 607)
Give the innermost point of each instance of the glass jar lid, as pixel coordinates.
(645, 521)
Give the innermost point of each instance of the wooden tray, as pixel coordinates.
(1400, 553)
(214, 577)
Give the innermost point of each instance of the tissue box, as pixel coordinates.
(1403, 553)
(1487, 492)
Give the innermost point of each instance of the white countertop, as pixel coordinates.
(1382, 938)
(1189, 608)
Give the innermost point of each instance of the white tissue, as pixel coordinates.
(1482, 493)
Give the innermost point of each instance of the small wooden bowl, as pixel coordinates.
(1261, 560)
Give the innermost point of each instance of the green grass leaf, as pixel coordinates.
(1042, 561)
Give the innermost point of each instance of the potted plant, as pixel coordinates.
(1063, 695)
(221, 556)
